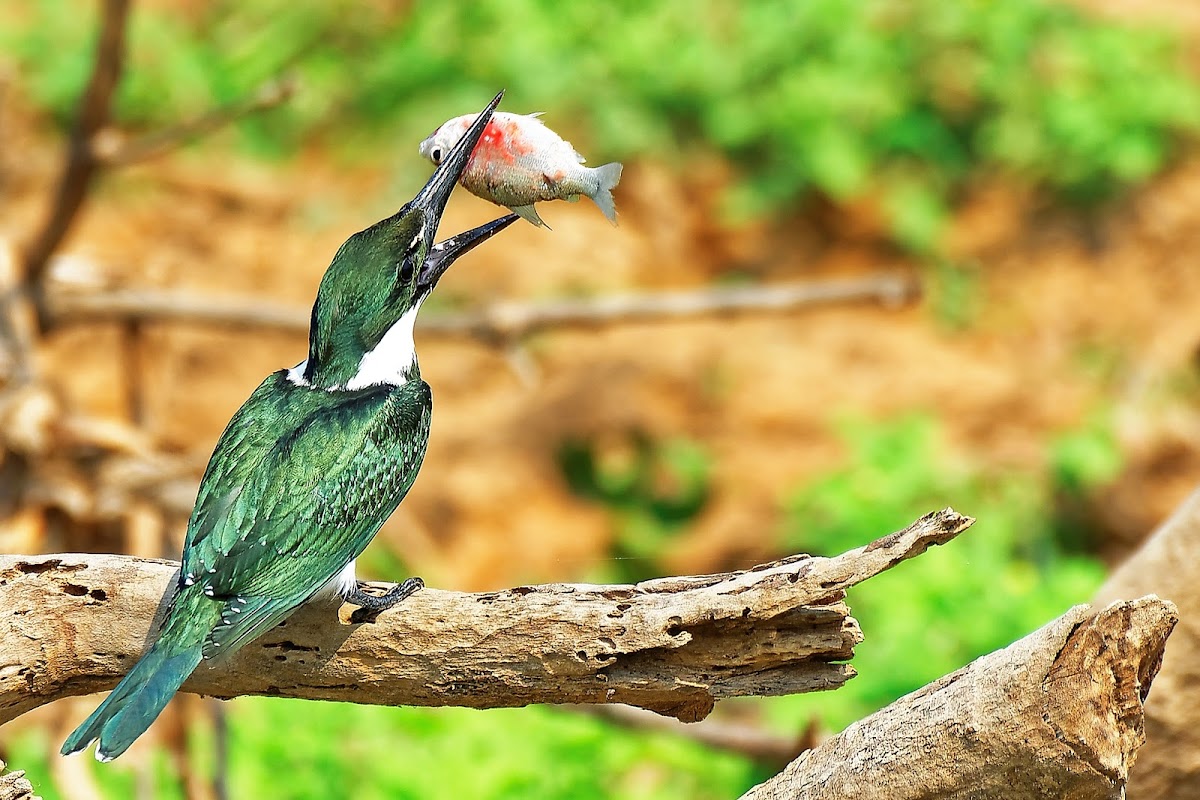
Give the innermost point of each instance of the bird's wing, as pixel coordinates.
(299, 483)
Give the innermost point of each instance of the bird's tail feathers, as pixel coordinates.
(136, 702)
(607, 177)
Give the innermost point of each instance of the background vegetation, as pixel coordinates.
(901, 105)
(908, 100)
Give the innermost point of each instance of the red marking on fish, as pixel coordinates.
(494, 144)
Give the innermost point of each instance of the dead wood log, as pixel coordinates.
(1166, 564)
(15, 786)
(1057, 714)
(73, 624)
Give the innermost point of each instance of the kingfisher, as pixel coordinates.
(310, 466)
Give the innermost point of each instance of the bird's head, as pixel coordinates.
(362, 321)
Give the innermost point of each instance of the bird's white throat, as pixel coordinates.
(391, 359)
(389, 362)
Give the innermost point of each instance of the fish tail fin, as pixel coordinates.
(529, 213)
(136, 702)
(607, 178)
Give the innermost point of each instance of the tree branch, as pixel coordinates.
(81, 161)
(750, 740)
(498, 322)
(503, 322)
(113, 153)
(73, 624)
(1057, 714)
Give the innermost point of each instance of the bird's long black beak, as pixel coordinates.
(432, 200)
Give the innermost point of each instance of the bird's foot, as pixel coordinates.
(372, 605)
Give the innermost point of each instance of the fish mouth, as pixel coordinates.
(445, 253)
(433, 197)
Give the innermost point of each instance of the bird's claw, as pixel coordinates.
(372, 605)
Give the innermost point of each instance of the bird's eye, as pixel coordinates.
(436, 155)
(408, 263)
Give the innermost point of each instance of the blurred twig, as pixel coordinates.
(81, 162)
(751, 741)
(72, 777)
(90, 150)
(504, 322)
(112, 153)
(150, 305)
(500, 323)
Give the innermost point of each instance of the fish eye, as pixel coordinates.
(436, 155)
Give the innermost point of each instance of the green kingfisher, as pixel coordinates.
(310, 466)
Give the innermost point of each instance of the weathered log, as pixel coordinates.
(14, 785)
(1057, 714)
(1167, 564)
(73, 624)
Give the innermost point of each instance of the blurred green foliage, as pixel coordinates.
(298, 750)
(905, 100)
(1007, 575)
(653, 493)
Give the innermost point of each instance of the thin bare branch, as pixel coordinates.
(500, 322)
(73, 624)
(81, 162)
(504, 322)
(746, 739)
(113, 153)
(150, 305)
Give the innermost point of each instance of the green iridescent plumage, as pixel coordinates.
(310, 466)
(299, 484)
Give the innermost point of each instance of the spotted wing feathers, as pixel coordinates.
(301, 481)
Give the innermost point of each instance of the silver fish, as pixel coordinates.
(519, 161)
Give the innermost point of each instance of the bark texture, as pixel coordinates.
(74, 624)
(1168, 564)
(15, 786)
(1057, 714)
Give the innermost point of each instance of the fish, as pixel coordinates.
(519, 161)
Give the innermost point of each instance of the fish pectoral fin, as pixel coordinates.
(528, 213)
